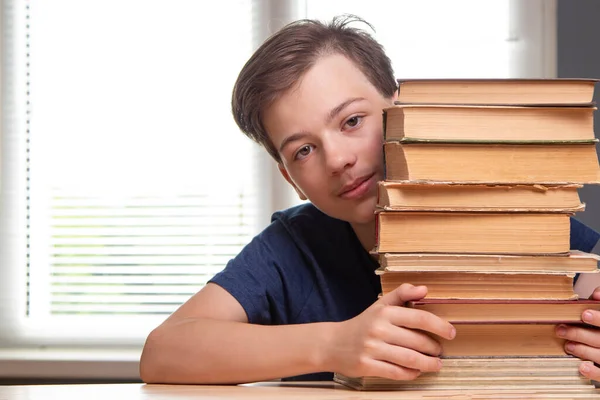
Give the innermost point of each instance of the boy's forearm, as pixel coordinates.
(214, 351)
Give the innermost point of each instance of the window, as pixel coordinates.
(434, 38)
(120, 191)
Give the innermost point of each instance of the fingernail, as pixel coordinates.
(585, 368)
(561, 331)
(439, 364)
(587, 316)
(452, 333)
(570, 347)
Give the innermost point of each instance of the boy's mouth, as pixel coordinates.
(357, 187)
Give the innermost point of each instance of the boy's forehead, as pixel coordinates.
(333, 77)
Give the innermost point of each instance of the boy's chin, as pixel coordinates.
(361, 215)
(363, 219)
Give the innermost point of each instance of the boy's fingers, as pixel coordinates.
(408, 358)
(402, 294)
(586, 335)
(589, 370)
(388, 370)
(596, 294)
(414, 339)
(591, 317)
(583, 351)
(424, 321)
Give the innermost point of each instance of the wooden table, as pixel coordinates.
(264, 390)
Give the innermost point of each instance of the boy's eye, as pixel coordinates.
(354, 121)
(303, 152)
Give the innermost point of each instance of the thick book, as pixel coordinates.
(573, 262)
(513, 311)
(555, 375)
(427, 196)
(472, 232)
(553, 163)
(488, 123)
(506, 340)
(484, 286)
(497, 91)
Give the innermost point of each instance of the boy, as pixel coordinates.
(301, 298)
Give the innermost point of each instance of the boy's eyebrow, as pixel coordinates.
(335, 111)
(290, 139)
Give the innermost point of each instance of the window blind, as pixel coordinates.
(128, 184)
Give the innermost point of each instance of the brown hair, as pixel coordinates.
(285, 56)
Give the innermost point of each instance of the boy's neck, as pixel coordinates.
(365, 234)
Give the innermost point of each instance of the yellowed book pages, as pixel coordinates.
(573, 262)
(459, 232)
(480, 285)
(503, 340)
(408, 195)
(510, 310)
(497, 91)
(490, 373)
(498, 163)
(488, 123)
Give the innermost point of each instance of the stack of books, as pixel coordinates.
(482, 177)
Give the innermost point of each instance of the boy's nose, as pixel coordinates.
(339, 154)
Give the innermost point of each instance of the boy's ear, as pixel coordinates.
(395, 96)
(287, 178)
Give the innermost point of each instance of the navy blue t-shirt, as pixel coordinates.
(309, 267)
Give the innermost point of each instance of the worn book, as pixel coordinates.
(472, 232)
(488, 123)
(432, 196)
(506, 340)
(501, 163)
(484, 285)
(509, 310)
(497, 91)
(572, 262)
(555, 375)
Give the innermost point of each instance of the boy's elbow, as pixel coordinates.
(150, 360)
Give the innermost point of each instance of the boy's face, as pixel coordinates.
(329, 133)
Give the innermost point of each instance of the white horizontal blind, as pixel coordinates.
(142, 255)
(137, 185)
(434, 38)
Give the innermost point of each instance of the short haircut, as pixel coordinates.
(281, 61)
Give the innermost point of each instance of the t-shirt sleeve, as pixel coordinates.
(250, 278)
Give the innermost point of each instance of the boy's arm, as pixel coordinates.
(208, 340)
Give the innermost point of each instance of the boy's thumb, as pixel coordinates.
(402, 294)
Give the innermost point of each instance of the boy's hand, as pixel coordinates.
(584, 342)
(385, 340)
